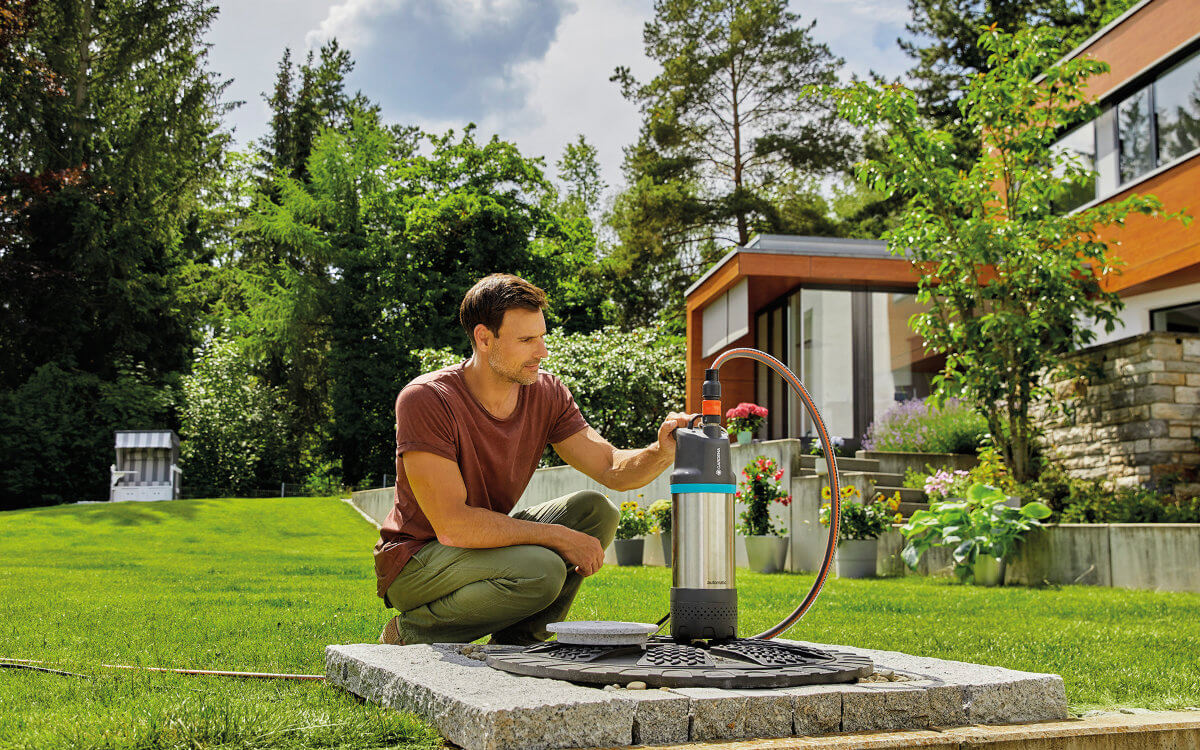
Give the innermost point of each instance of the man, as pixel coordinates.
(451, 557)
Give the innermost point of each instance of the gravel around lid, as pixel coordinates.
(602, 632)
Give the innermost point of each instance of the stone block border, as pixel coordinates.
(479, 708)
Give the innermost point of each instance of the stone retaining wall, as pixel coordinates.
(1154, 556)
(1137, 419)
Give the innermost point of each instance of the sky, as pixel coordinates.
(534, 72)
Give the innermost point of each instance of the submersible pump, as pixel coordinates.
(703, 648)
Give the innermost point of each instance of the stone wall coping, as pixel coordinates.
(1122, 525)
(1134, 339)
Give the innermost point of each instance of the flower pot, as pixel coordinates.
(766, 554)
(665, 536)
(821, 466)
(856, 558)
(629, 551)
(988, 571)
(745, 437)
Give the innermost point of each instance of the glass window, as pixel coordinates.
(826, 367)
(1177, 107)
(1077, 148)
(902, 368)
(1135, 137)
(1182, 319)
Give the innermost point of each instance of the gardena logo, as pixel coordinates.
(718, 461)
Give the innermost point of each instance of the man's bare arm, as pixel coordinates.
(438, 486)
(622, 470)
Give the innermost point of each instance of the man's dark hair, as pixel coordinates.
(492, 296)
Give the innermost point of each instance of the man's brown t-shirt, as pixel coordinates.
(438, 414)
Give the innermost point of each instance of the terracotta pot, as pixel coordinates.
(766, 554)
(630, 551)
(856, 558)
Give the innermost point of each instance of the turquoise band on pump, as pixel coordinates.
(680, 489)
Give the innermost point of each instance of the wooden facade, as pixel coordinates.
(1156, 254)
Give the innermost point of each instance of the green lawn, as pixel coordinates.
(264, 585)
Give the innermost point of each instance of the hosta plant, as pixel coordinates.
(982, 524)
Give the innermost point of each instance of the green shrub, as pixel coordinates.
(625, 382)
(233, 431)
(917, 426)
(1089, 501)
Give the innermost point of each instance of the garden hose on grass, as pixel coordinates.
(35, 667)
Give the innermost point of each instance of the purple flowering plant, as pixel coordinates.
(918, 426)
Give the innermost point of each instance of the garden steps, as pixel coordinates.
(907, 494)
(907, 509)
(866, 465)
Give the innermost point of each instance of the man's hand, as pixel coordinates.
(581, 550)
(666, 440)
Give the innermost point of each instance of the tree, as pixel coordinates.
(98, 178)
(723, 124)
(391, 234)
(579, 172)
(948, 54)
(1009, 283)
(305, 100)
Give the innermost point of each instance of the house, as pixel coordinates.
(835, 311)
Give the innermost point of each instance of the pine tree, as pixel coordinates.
(725, 123)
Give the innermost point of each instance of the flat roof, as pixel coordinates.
(791, 244)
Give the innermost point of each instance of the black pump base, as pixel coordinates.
(739, 663)
(703, 614)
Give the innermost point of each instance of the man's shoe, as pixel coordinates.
(391, 633)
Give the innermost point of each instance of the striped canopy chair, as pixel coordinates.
(147, 466)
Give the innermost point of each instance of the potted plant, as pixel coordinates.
(766, 542)
(632, 527)
(983, 529)
(744, 420)
(660, 516)
(859, 529)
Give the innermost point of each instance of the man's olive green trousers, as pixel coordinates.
(455, 595)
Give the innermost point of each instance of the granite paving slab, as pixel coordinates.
(480, 708)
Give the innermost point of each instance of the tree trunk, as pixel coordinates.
(82, 64)
(742, 224)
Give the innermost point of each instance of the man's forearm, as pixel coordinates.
(480, 528)
(637, 468)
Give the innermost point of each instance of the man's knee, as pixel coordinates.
(597, 515)
(540, 574)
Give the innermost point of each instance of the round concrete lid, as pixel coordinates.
(602, 632)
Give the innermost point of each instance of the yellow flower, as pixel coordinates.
(824, 506)
(899, 518)
(825, 493)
